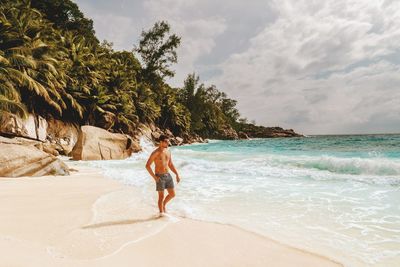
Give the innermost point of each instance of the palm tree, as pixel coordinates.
(146, 107)
(84, 76)
(174, 115)
(28, 58)
(10, 100)
(193, 96)
(122, 70)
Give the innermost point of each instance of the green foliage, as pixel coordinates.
(146, 107)
(52, 64)
(210, 109)
(27, 58)
(158, 51)
(174, 114)
(66, 16)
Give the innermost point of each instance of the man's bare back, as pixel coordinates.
(163, 163)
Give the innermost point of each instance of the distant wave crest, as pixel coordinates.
(356, 166)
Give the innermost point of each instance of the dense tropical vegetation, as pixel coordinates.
(52, 64)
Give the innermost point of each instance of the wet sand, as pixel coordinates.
(83, 220)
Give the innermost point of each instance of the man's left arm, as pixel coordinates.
(172, 167)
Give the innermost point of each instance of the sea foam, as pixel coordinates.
(338, 196)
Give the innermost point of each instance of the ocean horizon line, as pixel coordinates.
(350, 134)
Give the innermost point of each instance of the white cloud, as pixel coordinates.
(317, 66)
(120, 29)
(197, 29)
(198, 32)
(118, 35)
(301, 71)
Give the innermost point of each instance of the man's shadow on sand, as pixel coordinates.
(124, 222)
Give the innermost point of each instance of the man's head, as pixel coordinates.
(163, 141)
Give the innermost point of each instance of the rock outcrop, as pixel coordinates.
(192, 138)
(254, 131)
(145, 130)
(243, 135)
(98, 144)
(24, 159)
(226, 133)
(62, 136)
(33, 127)
(176, 141)
(246, 131)
(152, 133)
(106, 120)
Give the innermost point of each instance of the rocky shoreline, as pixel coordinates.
(254, 131)
(30, 146)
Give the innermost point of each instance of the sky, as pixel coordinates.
(316, 66)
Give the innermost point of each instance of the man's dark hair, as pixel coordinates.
(162, 137)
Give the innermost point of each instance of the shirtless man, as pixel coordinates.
(162, 159)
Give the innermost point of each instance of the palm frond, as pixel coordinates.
(7, 105)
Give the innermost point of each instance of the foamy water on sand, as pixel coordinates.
(338, 196)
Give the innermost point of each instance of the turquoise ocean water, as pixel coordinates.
(338, 196)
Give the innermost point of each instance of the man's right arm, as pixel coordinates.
(148, 165)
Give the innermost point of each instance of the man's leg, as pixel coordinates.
(160, 200)
(171, 194)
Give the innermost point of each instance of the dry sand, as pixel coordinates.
(83, 220)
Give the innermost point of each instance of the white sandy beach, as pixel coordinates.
(81, 220)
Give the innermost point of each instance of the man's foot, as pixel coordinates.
(162, 214)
